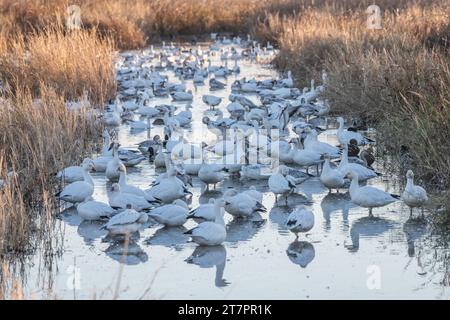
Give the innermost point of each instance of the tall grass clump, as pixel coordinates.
(72, 63)
(397, 77)
(38, 138)
(39, 134)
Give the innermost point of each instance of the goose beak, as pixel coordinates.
(93, 169)
(227, 203)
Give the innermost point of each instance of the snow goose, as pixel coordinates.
(210, 233)
(215, 84)
(112, 168)
(305, 157)
(242, 204)
(311, 143)
(169, 189)
(413, 196)
(72, 173)
(279, 183)
(79, 191)
(129, 157)
(124, 186)
(368, 196)
(120, 200)
(171, 215)
(300, 220)
(344, 136)
(252, 192)
(126, 223)
(94, 210)
(182, 95)
(211, 101)
(331, 178)
(211, 174)
(204, 211)
(345, 167)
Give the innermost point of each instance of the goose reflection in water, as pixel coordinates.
(213, 194)
(70, 216)
(172, 237)
(209, 257)
(129, 253)
(278, 216)
(333, 202)
(91, 230)
(301, 253)
(244, 229)
(368, 227)
(414, 229)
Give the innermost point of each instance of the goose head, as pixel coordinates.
(340, 120)
(115, 187)
(122, 168)
(114, 145)
(88, 165)
(352, 176)
(410, 174)
(221, 203)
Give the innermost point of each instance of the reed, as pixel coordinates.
(397, 77)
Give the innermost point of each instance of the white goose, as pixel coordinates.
(182, 95)
(300, 220)
(211, 100)
(79, 191)
(169, 189)
(368, 196)
(112, 168)
(344, 136)
(171, 215)
(73, 173)
(311, 143)
(413, 196)
(120, 200)
(127, 222)
(345, 167)
(252, 192)
(210, 233)
(280, 183)
(305, 157)
(124, 186)
(242, 204)
(102, 161)
(211, 174)
(204, 211)
(331, 178)
(94, 210)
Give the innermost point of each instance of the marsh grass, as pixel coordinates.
(71, 64)
(397, 77)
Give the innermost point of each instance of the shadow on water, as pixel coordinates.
(210, 257)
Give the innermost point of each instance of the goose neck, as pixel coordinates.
(219, 215)
(87, 177)
(354, 185)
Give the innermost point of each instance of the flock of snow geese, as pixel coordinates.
(244, 135)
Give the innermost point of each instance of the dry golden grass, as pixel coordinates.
(37, 139)
(70, 63)
(397, 77)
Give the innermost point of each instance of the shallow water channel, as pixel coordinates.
(346, 255)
